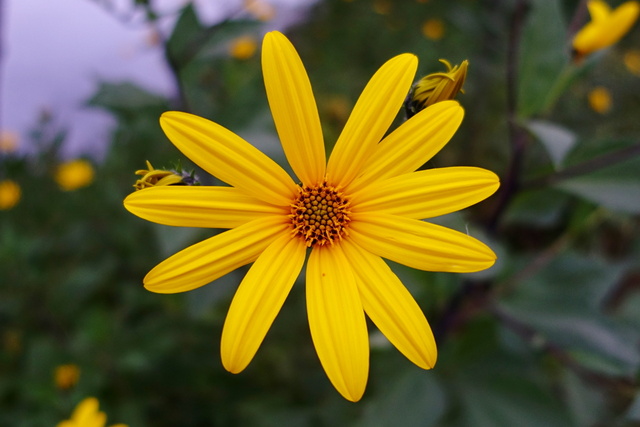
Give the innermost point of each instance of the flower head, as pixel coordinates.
(606, 27)
(436, 87)
(74, 174)
(87, 414)
(10, 194)
(364, 204)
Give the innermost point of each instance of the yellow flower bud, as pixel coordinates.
(158, 177)
(436, 87)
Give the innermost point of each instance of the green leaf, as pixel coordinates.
(126, 99)
(414, 399)
(556, 139)
(562, 302)
(543, 55)
(184, 42)
(616, 187)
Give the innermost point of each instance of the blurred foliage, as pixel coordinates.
(550, 336)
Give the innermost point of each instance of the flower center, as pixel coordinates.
(320, 214)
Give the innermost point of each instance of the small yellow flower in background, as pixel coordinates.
(606, 27)
(436, 87)
(66, 376)
(260, 9)
(365, 203)
(10, 194)
(433, 29)
(74, 174)
(382, 7)
(632, 61)
(243, 47)
(87, 414)
(600, 100)
(8, 141)
(12, 341)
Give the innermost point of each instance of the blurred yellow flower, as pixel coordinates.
(382, 7)
(433, 29)
(157, 177)
(8, 141)
(600, 100)
(66, 376)
(436, 87)
(260, 9)
(10, 194)
(243, 47)
(74, 174)
(632, 61)
(606, 27)
(365, 203)
(87, 414)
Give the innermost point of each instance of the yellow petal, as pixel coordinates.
(419, 244)
(427, 193)
(606, 28)
(210, 259)
(230, 158)
(391, 307)
(337, 322)
(374, 112)
(412, 144)
(293, 108)
(259, 299)
(207, 207)
(598, 9)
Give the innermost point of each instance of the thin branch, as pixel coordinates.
(586, 167)
(517, 136)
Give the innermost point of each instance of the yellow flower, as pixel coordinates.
(74, 174)
(606, 26)
(433, 29)
(10, 194)
(157, 177)
(600, 100)
(66, 376)
(632, 61)
(436, 87)
(87, 414)
(243, 47)
(364, 204)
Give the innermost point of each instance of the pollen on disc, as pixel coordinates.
(320, 215)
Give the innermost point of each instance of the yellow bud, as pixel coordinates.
(159, 177)
(632, 61)
(436, 87)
